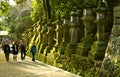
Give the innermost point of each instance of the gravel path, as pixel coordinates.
(27, 68)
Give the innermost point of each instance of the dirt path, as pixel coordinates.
(27, 68)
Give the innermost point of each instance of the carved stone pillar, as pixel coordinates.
(88, 19)
(44, 35)
(50, 33)
(74, 26)
(101, 19)
(59, 32)
(66, 27)
(40, 29)
(44, 38)
(80, 27)
(71, 47)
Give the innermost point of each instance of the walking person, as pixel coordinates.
(22, 50)
(15, 50)
(6, 49)
(33, 51)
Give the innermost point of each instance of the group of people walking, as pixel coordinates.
(14, 49)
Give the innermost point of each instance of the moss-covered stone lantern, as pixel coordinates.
(50, 33)
(66, 27)
(44, 38)
(71, 47)
(66, 34)
(88, 19)
(101, 20)
(59, 31)
(41, 24)
(74, 25)
(80, 27)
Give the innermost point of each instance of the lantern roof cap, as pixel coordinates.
(88, 4)
(74, 11)
(102, 7)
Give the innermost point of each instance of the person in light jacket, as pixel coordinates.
(33, 51)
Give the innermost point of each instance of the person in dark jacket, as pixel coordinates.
(33, 51)
(22, 50)
(15, 50)
(6, 49)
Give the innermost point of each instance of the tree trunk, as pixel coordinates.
(47, 8)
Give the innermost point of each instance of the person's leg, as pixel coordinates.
(22, 55)
(13, 57)
(16, 57)
(33, 56)
(7, 56)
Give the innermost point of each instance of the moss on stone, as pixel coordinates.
(70, 49)
(61, 47)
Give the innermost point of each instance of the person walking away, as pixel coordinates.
(22, 50)
(6, 49)
(15, 50)
(33, 51)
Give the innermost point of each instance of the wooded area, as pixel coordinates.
(69, 34)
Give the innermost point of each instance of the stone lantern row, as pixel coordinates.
(68, 29)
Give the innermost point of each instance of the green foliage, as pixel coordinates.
(62, 62)
(42, 58)
(50, 57)
(17, 20)
(19, 1)
(64, 7)
(87, 45)
(78, 65)
(67, 57)
(24, 23)
(4, 8)
(38, 11)
(2, 25)
(42, 47)
(47, 50)
(70, 49)
(62, 47)
(79, 48)
(93, 51)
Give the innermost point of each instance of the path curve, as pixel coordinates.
(27, 68)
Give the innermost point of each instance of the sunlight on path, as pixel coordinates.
(28, 68)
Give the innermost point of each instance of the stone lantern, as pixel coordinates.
(50, 37)
(74, 25)
(66, 27)
(80, 27)
(71, 47)
(59, 31)
(50, 33)
(88, 19)
(40, 30)
(101, 20)
(44, 35)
